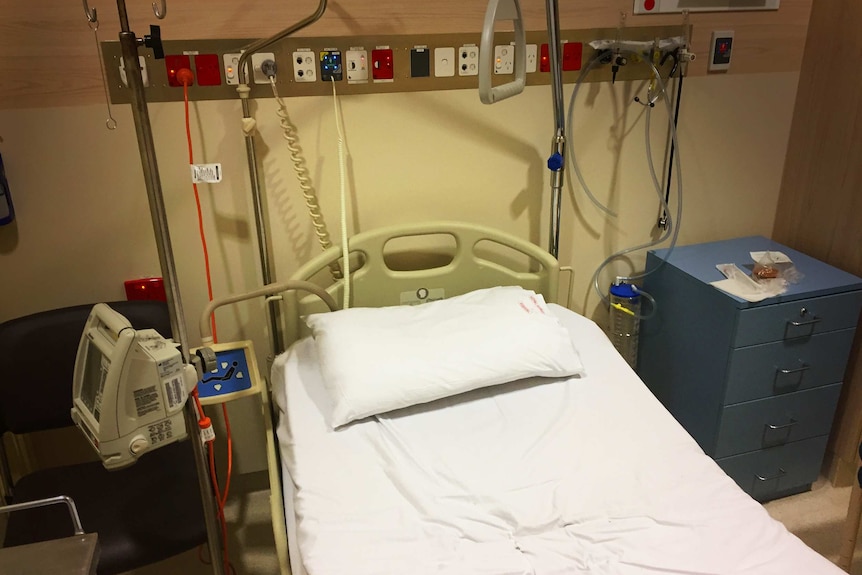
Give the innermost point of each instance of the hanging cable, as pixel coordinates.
(186, 77)
(342, 169)
(289, 132)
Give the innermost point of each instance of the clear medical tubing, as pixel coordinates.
(572, 157)
(673, 226)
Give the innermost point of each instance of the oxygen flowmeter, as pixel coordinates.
(129, 388)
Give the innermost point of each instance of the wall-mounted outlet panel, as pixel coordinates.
(173, 64)
(331, 67)
(304, 66)
(573, 54)
(207, 69)
(142, 61)
(504, 59)
(454, 63)
(532, 58)
(382, 64)
(257, 59)
(468, 60)
(444, 62)
(230, 67)
(420, 62)
(356, 63)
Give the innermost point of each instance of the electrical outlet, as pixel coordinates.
(468, 60)
(532, 58)
(356, 62)
(330, 65)
(143, 63)
(573, 53)
(257, 59)
(504, 59)
(382, 64)
(231, 68)
(304, 67)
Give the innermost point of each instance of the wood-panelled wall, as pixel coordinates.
(820, 206)
(50, 55)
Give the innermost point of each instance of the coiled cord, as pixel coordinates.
(289, 132)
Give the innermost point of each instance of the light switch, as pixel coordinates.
(444, 62)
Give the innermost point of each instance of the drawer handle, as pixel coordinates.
(781, 473)
(805, 367)
(781, 381)
(804, 323)
(809, 323)
(785, 426)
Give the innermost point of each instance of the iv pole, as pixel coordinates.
(556, 163)
(130, 43)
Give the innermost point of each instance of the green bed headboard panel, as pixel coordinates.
(481, 259)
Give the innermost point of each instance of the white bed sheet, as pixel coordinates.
(587, 475)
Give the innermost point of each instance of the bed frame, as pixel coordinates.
(483, 257)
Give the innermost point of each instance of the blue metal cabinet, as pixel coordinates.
(755, 384)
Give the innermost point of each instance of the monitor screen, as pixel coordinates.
(96, 366)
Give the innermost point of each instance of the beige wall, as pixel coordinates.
(83, 223)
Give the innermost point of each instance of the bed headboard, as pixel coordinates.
(483, 257)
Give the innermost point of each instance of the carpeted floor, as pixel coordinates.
(817, 517)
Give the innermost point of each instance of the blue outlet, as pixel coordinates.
(231, 375)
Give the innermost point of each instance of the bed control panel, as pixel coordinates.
(236, 374)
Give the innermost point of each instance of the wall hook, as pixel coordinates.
(159, 11)
(90, 12)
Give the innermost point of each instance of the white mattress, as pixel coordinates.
(589, 475)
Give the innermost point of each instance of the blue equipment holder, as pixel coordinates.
(236, 375)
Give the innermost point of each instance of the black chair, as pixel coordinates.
(142, 514)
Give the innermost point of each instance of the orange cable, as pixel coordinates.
(198, 205)
(221, 500)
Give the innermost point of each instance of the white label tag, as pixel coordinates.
(207, 434)
(206, 173)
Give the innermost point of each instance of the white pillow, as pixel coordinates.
(375, 360)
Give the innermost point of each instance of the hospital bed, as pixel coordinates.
(580, 474)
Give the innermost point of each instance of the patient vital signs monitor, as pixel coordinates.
(129, 388)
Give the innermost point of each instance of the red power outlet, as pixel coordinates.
(208, 70)
(382, 66)
(544, 59)
(573, 53)
(173, 64)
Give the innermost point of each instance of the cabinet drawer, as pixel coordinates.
(778, 471)
(777, 420)
(781, 367)
(797, 319)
